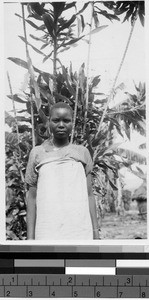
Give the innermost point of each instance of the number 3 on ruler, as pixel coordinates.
(30, 294)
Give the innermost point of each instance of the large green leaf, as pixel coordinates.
(42, 27)
(23, 128)
(110, 4)
(50, 25)
(69, 5)
(11, 235)
(22, 111)
(95, 18)
(11, 138)
(101, 94)
(9, 119)
(22, 63)
(140, 170)
(38, 39)
(45, 45)
(34, 48)
(95, 81)
(97, 29)
(127, 129)
(129, 8)
(119, 130)
(23, 119)
(129, 13)
(45, 93)
(82, 78)
(16, 98)
(47, 77)
(114, 187)
(67, 24)
(61, 97)
(100, 101)
(29, 22)
(47, 56)
(120, 9)
(83, 8)
(34, 83)
(35, 16)
(19, 62)
(37, 27)
(141, 11)
(65, 75)
(72, 41)
(64, 49)
(82, 22)
(58, 9)
(141, 19)
(133, 156)
(108, 16)
(43, 117)
(37, 8)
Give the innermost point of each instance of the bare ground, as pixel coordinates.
(130, 225)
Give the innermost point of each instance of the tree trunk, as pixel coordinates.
(55, 66)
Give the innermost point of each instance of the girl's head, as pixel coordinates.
(61, 116)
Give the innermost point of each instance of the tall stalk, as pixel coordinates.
(55, 65)
(32, 121)
(30, 66)
(32, 78)
(17, 128)
(76, 98)
(75, 111)
(88, 64)
(114, 83)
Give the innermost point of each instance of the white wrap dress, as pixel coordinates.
(62, 206)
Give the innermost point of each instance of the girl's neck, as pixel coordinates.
(60, 143)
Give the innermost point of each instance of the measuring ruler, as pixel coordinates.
(73, 286)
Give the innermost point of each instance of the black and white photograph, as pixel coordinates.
(75, 121)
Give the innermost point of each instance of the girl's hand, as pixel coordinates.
(96, 234)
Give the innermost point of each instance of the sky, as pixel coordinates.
(107, 48)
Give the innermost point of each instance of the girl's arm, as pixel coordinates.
(31, 213)
(92, 208)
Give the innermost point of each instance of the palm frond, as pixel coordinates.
(132, 155)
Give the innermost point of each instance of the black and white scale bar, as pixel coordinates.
(132, 271)
(33, 270)
(135, 263)
(72, 266)
(132, 267)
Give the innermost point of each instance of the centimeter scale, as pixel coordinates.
(73, 286)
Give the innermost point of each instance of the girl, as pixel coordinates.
(60, 202)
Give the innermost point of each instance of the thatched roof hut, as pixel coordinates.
(140, 194)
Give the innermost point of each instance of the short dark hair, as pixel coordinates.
(61, 105)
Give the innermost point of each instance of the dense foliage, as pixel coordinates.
(16, 160)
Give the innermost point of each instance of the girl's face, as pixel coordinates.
(61, 123)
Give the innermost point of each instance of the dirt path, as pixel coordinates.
(127, 226)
